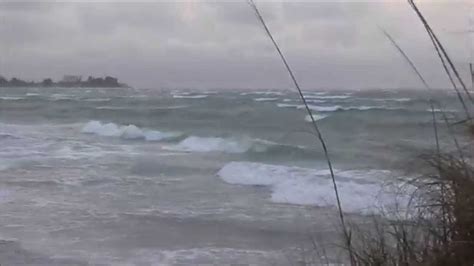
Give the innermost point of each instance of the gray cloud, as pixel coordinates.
(221, 44)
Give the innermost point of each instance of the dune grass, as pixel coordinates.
(437, 227)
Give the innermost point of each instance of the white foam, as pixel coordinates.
(369, 107)
(315, 101)
(171, 107)
(265, 99)
(154, 135)
(315, 116)
(401, 99)
(112, 108)
(203, 256)
(96, 127)
(360, 190)
(289, 105)
(180, 93)
(335, 108)
(325, 108)
(385, 99)
(59, 96)
(125, 132)
(11, 98)
(131, 132)
(315, 92)
(180, 96)
(312, 107)
(97, 100)
(72, 152)
(117, 108)
(437, 110)
(262, 93)
(328, 96)
(210, 144)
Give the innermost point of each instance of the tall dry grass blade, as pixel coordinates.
(471, 70)
(432, 102)
(413, 67)
(448, 73)
(448, 59)
(315, 126)
(440, 49)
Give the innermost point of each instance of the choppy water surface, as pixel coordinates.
(150, 177)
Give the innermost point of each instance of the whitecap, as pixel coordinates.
(130, 132)
(171, 107)
(387, 99)
(315, 116)
(11, 98)
(335, 108)
(59, 96)
(265, 99)
(325, 108)
(233, 145)
(360, 190)
(289, 105)
(97, 127)
(97, 100)
(210, 144)
(315, 101)
(112, 108)
(200, 96)
(107, 107)
(437, 110)
(401, 99)
(315, 92)
(262, 93)
(328, 96)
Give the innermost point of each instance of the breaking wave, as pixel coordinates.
(327, 96)
(262, 93)
(181, 96)
(289, 105)
(315, 116)
(97, 100)
(198, 144)
(388, 99)
(172, 107)
(251, 147)
(338, 108)
(361, 190)
(352, 108)
(11, 98)
(211, 144)
(126, 131)
(265, 99)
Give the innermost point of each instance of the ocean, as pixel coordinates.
(120, 176)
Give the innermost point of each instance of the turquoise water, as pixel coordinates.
(176, 177)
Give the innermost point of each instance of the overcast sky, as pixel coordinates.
(194, 44)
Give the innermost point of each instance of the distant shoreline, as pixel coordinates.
(67, 81)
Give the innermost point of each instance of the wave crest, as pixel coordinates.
(252, 147)
(360, 190)
(131, 132)
(210, 144)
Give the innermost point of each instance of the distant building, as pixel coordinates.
(71, 79)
